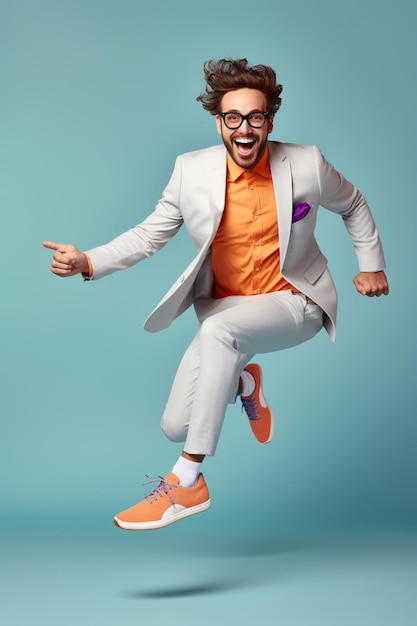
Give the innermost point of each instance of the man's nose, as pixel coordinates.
(245, 125)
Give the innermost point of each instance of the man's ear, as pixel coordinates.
(219, 124)
(270, 123)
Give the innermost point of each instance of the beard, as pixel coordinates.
(247, 150)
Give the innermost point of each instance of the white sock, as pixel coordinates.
(187, 471)
(248, 383)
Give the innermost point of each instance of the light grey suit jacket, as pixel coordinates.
(195, 196)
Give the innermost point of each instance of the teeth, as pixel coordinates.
(244, 140)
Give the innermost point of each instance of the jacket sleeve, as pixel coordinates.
(339, 195)
(146, 238)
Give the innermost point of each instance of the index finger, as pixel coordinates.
(52, 245)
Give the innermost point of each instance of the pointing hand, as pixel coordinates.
(67, 260)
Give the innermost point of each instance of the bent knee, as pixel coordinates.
(215, 328)
(173, 430)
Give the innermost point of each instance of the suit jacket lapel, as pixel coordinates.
(217, 188)
(281, 176)
(218, 178)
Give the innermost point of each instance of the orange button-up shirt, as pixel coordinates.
(245, 250)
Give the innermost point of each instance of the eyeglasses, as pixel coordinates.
(234, 120)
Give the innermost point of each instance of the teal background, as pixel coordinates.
(97, 99)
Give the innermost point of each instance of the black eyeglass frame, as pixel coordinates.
(244, 117)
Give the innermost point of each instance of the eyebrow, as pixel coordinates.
(240, 113)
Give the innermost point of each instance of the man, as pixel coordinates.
(259, 282)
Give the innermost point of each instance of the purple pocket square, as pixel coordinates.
(300, 211)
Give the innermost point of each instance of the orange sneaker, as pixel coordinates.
(167, 504)
(260, 415)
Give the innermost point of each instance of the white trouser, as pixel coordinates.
(232, 330)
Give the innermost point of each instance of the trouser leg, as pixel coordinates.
(232, 331)
(176, 417)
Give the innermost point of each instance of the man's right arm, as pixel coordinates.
(132, 246)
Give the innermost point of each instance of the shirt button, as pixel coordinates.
(255, 291)
(257, 269)
(252, 187)
(255, 217)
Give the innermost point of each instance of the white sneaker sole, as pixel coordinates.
(174, 517)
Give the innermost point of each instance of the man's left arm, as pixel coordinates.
(340, 196)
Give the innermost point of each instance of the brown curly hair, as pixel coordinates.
(231, 74)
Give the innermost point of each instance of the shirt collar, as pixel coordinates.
(261, 168)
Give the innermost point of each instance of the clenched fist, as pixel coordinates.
(371, 283)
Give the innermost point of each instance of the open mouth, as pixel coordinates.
(244, 146)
